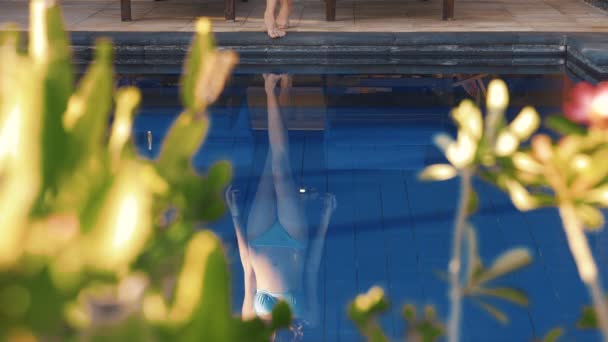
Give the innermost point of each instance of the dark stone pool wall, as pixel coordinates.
(585, 55)
(601, 4)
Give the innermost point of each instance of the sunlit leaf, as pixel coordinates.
(88, 109)
(520, 196)
(371, 302)
(507, 293)
(591, 217)
(525, 162)
(526, 123)
(49, 49)
(468, 118)
(442, 141)
(127, 100)
(542, 147)
(594, 173)
(202, 45)
(507, 262)
(20, 154)
(438, 172)
(202, 293)
(598, 196)
(123, 224)
(462, 153)
(553, 335)
(214, 73)
(498, 95)
(493, 311)
(506, 143)
(363, 311)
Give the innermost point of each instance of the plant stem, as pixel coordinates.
(587, 269)
(455, 264)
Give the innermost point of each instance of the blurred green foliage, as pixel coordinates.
(367, 307)
(88, 250)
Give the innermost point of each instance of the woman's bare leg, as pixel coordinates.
(284, 13)
(289, 209)
(270, 22)
(263, 211)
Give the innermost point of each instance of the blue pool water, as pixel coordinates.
(363, 138)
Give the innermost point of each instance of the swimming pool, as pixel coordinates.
(363, 138)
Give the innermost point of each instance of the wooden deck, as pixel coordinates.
(310, 15)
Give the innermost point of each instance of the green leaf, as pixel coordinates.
(508, 262)
(281, 315)
(588, 319)
(553, 335)
(219, 175)
(211, 320)
(474, 264)
(430, 331)
(493, 311)
(200, 200)
(426, 329)
(597, 171)
(200, 48)
(409, 312)
(252, 330)
(561, 124)
(591, 217)
(473, 202)
(89, 110)
(507, 293)
(57, 88)
(182, 141)
(10, 37)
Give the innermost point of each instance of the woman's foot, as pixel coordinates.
(271, 26)
(270, 82)
(283, 17)
(284, 93)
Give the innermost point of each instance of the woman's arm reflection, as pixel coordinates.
(315, 254)
(241, 238)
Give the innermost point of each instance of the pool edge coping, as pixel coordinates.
(585, 52)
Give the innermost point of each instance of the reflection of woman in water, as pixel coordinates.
(279, 260)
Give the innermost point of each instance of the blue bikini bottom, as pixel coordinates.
(265, 301)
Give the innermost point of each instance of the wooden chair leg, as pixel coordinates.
(125, 10)
(330, 10)
(448, 9)
(230, 15)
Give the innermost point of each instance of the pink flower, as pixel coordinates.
(587, 104)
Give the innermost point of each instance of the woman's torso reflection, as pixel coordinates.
(280, 260)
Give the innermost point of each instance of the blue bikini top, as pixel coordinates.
(277, 236)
